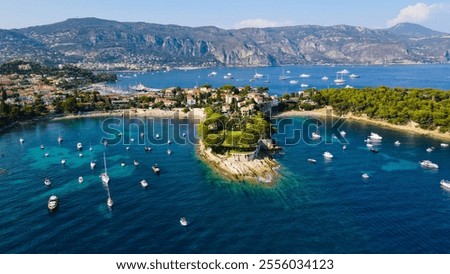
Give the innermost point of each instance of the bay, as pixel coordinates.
(325, 207)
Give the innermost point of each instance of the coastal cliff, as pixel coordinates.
(262, 169)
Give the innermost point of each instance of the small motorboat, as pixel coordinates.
(46, 154)
(63, 162)
(52, 203)
(311, 160)
(92, 164)
(444, 145)
(132, 140)
(147, 149)
(47, 182)
(60, 139)
(127, 148)
(80, 155)
(156, 169)
(109, 202)
(42, 147)
(79, 146)
(144, 183)
(80, 179)
(344, 147)
(122, 164)
(430, 149)
(428, 164)
(445, 184)
(365, 176)
(21, 140)
(169, 142)
(169, 151)
(136, 163)
(183, 221)
(374, 136)
(157, 136)
(397, 143)
(328, 155)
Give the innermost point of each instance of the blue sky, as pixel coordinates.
(231, 13)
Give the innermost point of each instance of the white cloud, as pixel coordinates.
(418, 13)
(258, 23)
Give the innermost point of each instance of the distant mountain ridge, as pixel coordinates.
(98, 43)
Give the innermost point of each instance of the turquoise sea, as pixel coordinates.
(326, 207)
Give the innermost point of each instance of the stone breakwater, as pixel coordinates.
(261, 170)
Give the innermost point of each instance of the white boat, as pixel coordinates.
(156, 169)
(132, 140)
(169, 142)
(47, 182)
(444, 145)
(445, 184)
(303, 85)
(228, 76)
(53, 202)
(79, 146)
(343, 133)
(293, 82)
(122, 164)
(183, 221)
(428, 164)
(344, 147)
(60, 139)
(104, 176)
(80, 179)
(315, 136)
(110, 202)
(369, 145)
(46, 154)
(348, 86)
(92, 164)
(212, 74)
(430, 149)
(42, 147)
(325, 78)
(397, 143)
(139, 87)
(283, 77)
(63, 161)
(21, 140)
(339, 82)
(136, 163)
(353, 76)
(311, 160)
(258, 75)
(169, 151)
(127, 148)
(80, 155)
(303, 75)
(328, 155)
(365, 176)
(157, 136)
(375, 137)
(144, 183)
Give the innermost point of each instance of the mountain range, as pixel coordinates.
(98, 43)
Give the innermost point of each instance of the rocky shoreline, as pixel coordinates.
(261, 170)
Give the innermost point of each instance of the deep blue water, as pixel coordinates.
(424, 76)
(316, 208)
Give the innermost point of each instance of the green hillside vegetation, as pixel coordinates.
(236, 133)
(430, 108)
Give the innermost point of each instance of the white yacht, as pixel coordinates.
(293, 82)
(353, 76)
(104, 176)
(157, 136)
(47, 182)
(328, 155)
(228, 76)
(122, 164)
(42, 147)
(144, 183)
(212, 74)
(343, 133)
(365, 176)
(92, 164)
(444, 145)
(445, 184)
(46, 154)
(169, 151)
(258, 75)
(52, 203)
(315, 136)
(63, 161)
(325, 78)
(303, 85)
(80, 155)
(21, 140)
(303, 75)
(183, 221)
(430, 149)
(375, 137)
(397, 143)
(136, 163)
(60, 139)
(80, 179)
(156, 169)
(311, 160)
(79, 146)
(428, 164)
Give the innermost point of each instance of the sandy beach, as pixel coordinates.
(136, 112)
(410, 128)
